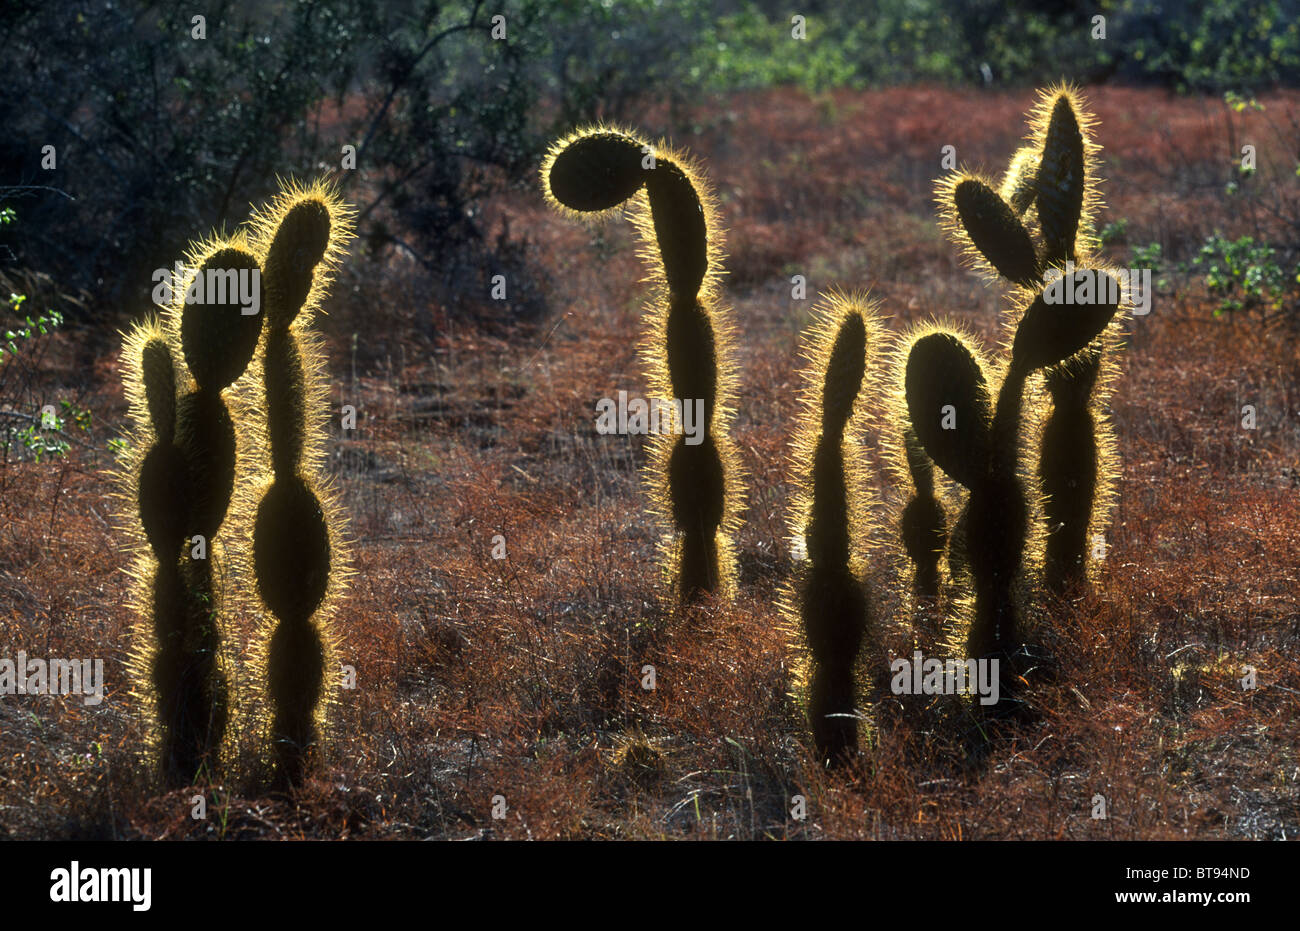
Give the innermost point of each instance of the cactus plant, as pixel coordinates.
(1076, 465)
(180, 474)
(1077, 452)
(977, 442)
(829, 605)
(1021, 178)
(297, 541)
(696, 485)
(1035, 227)
(204, 486)
(923, 522)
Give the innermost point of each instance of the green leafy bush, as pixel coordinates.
(1243, 274)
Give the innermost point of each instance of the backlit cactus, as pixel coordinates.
(1050, 190)
(1046, 191)
(1078, 463)
(990, 230)
(696, 485)
(180, 472)
(923, 523)
(208, 489)
(1019, 184)
(828, 606)
(296, 533)
(977, 442)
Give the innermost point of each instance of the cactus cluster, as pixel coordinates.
(965, 422)
(967, 417)
(697, 485)
(960, 412)
(976, 438)
(189, 465)
(1078, 462)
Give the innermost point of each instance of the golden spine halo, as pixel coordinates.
(176, 477)
(1086, 472)
(989, 233)
(1019, 182)
(825, 607)
(1086, 243)
(199, 438)
(901, 465)
(267, 220)
(591, 173)
(300, 553)
(828, 314)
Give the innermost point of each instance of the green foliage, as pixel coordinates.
(1209, 46)
(47, 440)
(579, 53)
(172, 133)
(1189, 47)
(40, 442)
(29, 327)
(1243, 274)
(748, 49)
(39, 435)
(1114, 232)
(1149, 256)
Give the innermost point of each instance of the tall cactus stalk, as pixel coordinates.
(1078, 462)
(829, 605)
(297, 530)
(695, 485)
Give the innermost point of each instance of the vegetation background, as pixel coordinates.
(521, 677)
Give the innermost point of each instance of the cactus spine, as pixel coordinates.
(829, 605)
(978, 444)
(297, 545)
(695, 485)
(180, 472)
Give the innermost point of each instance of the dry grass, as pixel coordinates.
(521, 678)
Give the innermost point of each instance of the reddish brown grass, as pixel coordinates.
(521, 678)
